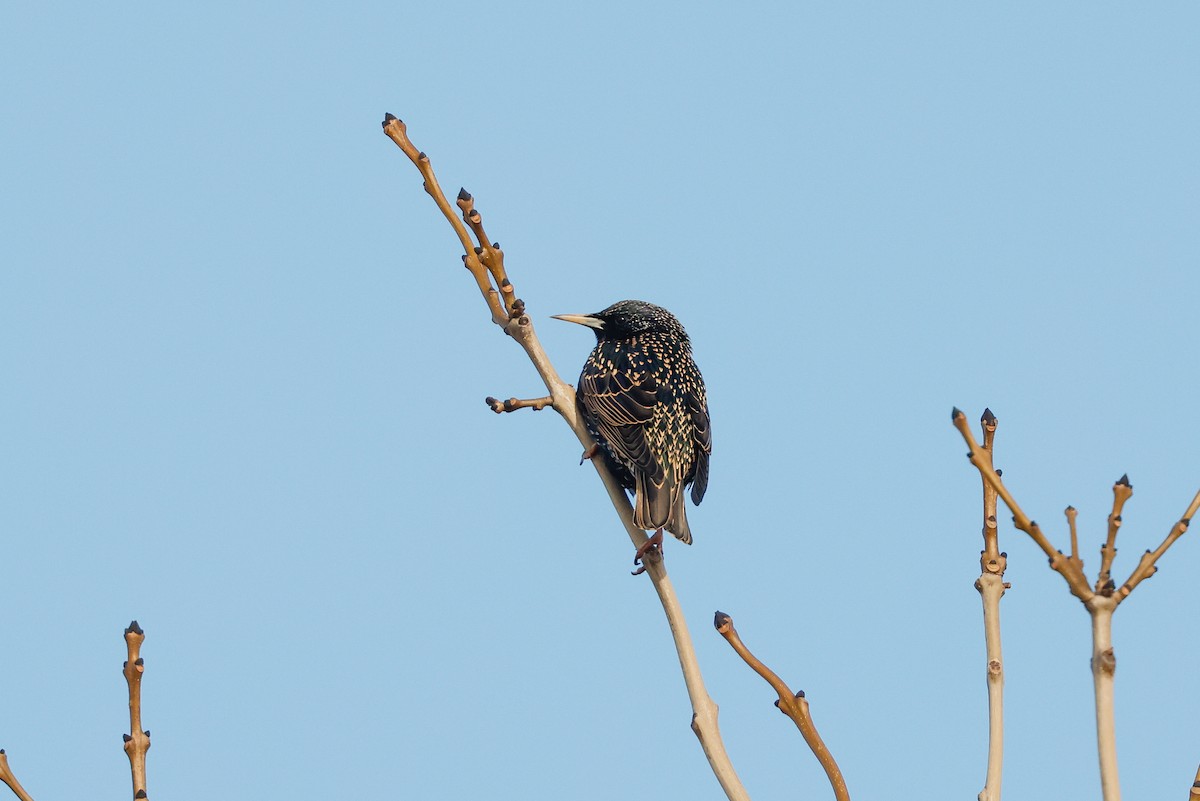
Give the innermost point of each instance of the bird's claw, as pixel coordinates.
(590, 453)
(650, 546)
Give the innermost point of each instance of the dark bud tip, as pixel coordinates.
(1, 752)
(478, 251)
(991, 518)
(1124, 479)
(988, 417)
(146, 732)
(126, 737)
(1194, 784)
(1004, 554)
(505, 282)
(464, 258)
(1187, 521)
(139, 662)
(134, 628)
(140, 794)
(124, 664)
(954, 413)
(720, 619)
(1117, 518)
(496, 245)
(999, 472)
(799, 693)
(464, 195)
(777, 705)
(389, 116)
(1070, 508)
(422, 156)
(490, 401)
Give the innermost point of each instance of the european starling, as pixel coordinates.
(642, 398)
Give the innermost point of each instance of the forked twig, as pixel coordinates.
(6, 776)
(137, 742)
(1100, 602)
(485, 262)
(794, 705)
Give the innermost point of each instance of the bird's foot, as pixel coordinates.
(650, 546)
(590, 453)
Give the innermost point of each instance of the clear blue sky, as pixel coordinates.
(244, 381)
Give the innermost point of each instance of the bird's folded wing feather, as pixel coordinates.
(697, 402)
(622, 402)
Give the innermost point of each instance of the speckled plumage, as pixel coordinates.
(642, 398)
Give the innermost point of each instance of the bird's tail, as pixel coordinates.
(655, 507)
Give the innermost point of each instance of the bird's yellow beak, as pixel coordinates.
(582, 319)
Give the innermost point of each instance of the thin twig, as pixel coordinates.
(794, 705)
(1122, 491)
(485, 262)
(991, 587)
(137, 742)
(1194, 793)
(1070, 569)
(1147, 565)
(6, 776)
(512, 404)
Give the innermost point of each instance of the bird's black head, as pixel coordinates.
(628, 318)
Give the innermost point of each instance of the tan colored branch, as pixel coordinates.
(1194, 793)
(512, 404)
(485, 262)
(1071, 514)
(1122, 491)
(1071, 569)
(1147, 565)
(794, 705)
(398, 133)
(137, 742)
(6, 776)
(991, 587)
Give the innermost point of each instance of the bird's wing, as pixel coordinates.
(697, 403)
(622, 401)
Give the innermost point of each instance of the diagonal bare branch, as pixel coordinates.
(486, 265)
(1148, 564)
(794, 705)
(1070, 569)
(6, 776)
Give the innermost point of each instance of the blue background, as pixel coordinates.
(244, 371)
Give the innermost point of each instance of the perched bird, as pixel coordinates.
(642, 398)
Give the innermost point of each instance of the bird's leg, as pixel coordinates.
(590, 453)
(654, 544)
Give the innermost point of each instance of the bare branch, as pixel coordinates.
(991, 587)
(486, 264)
(1122, 491)
(1194, 793)
(794, 705)
(6, 776)
(137, 742)
(512, 404)
(1147, 565)
(1070, 569)
(1104, 666)
(398, 132)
